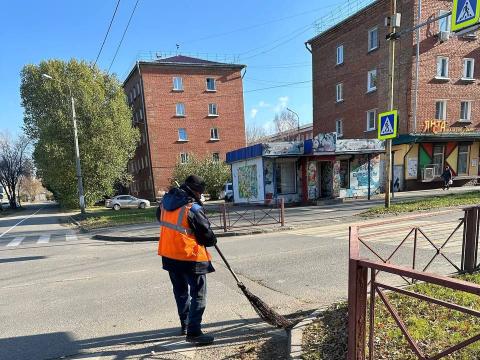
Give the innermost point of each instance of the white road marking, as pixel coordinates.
(44, 239)
(70, 236)
(14, 226)
(16, 241)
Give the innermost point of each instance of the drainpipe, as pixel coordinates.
(417, 67)
(146, 132)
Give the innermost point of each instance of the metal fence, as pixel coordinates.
(359, 284)
(237, 216)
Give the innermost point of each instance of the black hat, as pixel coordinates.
(195, 183)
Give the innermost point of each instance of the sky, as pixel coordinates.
(268, 36)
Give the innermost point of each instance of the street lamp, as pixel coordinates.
(77, 151)
(298, 119)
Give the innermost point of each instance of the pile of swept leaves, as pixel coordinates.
(434, 202)
(434, 327)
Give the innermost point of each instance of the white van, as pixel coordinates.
(227, 192)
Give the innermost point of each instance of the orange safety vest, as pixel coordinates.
(177, 240)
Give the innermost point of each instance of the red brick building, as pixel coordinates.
(301, 133)
(182, 106)
(350, 88)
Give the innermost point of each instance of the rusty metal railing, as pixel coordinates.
(359, 286)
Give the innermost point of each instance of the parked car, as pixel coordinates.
(227, 192)
(125, 202)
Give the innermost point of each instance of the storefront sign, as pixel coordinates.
(360, 145)
(283, 148)
(440, 126)
(324, 143)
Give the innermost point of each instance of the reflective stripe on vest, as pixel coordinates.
(178, 226)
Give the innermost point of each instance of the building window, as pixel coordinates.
(180, 109)
(212, 110)
(372, 80)
(371, 119)
(339, 127)
(441, 110)
(182, 134)
(177, 84)
(211, 84)
(140, 114)
(468, 65)
(442, 67)
(344, 174)
(437, 159)
(462, 160)
(131, 96)
(138, 89)
(216, 157)
(183, 158)
(372, 39)
(286, 177)
(444, 23)
(339, 54)
(339, 92)
(465, 110)
(214, 134)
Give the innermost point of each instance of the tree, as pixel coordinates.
(286, 121)
(214, 173)
(255, 134)
(30, 187)
(14, 163)
(106, 137)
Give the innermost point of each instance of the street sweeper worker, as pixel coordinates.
(185, 233)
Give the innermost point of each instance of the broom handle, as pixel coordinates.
(228, 265)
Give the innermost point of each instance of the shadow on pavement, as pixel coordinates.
(23, 258)
(232, 339)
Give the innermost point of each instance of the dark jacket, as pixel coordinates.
(447, 174)
(178, 197)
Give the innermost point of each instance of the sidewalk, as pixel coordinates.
(295, 217)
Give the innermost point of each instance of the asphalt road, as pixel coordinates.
(71, 296)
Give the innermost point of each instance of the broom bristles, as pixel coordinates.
(265, 311)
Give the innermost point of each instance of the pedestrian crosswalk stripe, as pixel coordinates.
(71, 236)
(16, 241)
(44, 239)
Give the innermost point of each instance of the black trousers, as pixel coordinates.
(190, 292)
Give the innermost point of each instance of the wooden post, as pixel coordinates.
(470, 241)
(357, 301)
(282, 212)
(224, 217)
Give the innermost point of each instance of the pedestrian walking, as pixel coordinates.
(185, 233)
(447, 177)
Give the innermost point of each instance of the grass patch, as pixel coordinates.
(98, 217)
(433, 327)
(434, 202)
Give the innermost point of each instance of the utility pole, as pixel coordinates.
(391, 78)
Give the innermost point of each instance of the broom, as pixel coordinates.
(261, 308)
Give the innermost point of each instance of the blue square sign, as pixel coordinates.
(387, 125)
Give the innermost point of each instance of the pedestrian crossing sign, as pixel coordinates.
(465, 13)
(387, 125)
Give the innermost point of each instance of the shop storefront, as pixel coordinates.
(316, 169)
(419, 159)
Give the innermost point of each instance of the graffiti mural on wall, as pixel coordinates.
(247, 182)
(268, 176)
(312, 180)
(323, 143)
(359, 176)
(283, 148)
(358, 145)
(336, 178)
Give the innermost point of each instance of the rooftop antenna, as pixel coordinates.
(178, 47)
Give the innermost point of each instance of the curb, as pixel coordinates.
(295, 335)
(155, 238)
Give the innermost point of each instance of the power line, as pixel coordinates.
(123, 36)
(106, 35)
(259, 25)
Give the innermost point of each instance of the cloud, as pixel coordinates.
(282, 103)
(264, 104)
(253, 113)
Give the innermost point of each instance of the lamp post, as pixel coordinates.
(77, 151)
(298, 119)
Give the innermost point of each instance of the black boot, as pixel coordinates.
(183, 330)
(199, 338)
